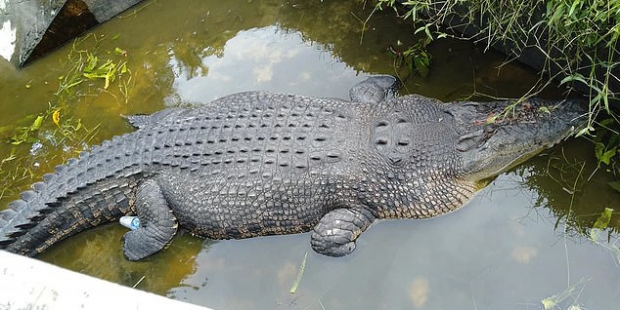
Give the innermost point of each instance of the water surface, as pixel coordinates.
(522, 239)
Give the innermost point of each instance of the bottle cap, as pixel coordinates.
(131, 222)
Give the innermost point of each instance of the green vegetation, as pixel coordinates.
(64, 128)
(567, 299)
(415, 58)
(84, 66)
(87, 66)
(578, 39)
(302, 267)
(599, 236)
(51, 128)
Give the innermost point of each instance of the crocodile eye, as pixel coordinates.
(381, 141)
(403, 143)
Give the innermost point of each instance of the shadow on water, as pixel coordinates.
(522, 239)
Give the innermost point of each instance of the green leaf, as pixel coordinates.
(94, 75)
(79, 125)
(599, 147)
(107, 66)
(607, 156)
(552, 301)
(548, 303)
(299, 275)
(37, 123)
(576, 77)
(428, 32)
(584, 131)
(74, 83)
(91, 63)
(602, 154)
(603, 219)
(615, 185)
(123, 68)
(119, 51)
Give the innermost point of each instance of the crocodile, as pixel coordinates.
(258, 163)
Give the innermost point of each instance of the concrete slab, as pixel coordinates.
(27, 283)
(31, 28)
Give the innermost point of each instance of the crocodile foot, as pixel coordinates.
(157, 223)
(336, 232)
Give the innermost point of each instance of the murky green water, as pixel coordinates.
(521, 240)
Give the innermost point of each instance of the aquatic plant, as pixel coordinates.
(56, 127)
(86, 64)
(576, 39)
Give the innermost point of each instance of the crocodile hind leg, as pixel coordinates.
(157, 223)
(336, 232)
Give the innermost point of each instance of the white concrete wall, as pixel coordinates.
(8, 34)
(27, 283)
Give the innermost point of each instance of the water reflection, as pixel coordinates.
(568, 185)
(267, 58)
(98, 252)
(506, 250)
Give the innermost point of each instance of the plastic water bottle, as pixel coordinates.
(131, 222)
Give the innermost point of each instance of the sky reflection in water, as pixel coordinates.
(269, 59)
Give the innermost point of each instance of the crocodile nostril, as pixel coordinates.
(395, 160)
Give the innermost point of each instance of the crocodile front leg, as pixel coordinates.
(157, 223)
(336, 232)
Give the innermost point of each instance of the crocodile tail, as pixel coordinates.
(88, 190)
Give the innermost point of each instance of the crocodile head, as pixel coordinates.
(496, 136)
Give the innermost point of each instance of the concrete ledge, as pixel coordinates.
(30, 29)
(26, 283)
